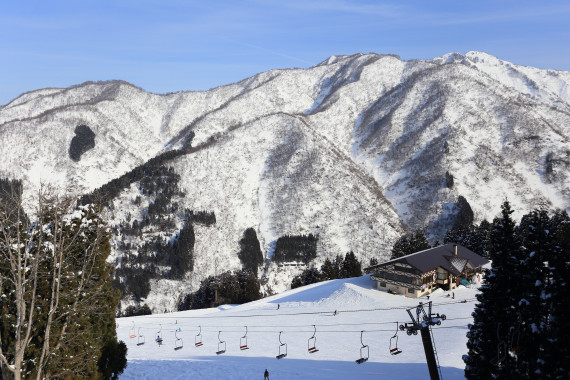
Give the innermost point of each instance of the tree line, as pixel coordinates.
(299, 248)
(138, 269)
(160, 257)
(112, 189)
(521, 325)
(229, 287)
(340, 267)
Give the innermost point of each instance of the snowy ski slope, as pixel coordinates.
(360, 307)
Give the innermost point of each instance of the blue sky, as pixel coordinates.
(173, 45)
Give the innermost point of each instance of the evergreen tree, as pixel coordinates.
(471, 237)
(338, 265)
(182, 257)
(239, 287)
(297, 282)
(329, 271)
(250, 253)
(495, 317)
(482, 239)
(448, 180)
(351, 267)
(410, 243)
(462, 235)
(530, 330)
(556, 353)
(248, 285)
(63, 287)
(300, 248)
(464, 215)
(307, 277)
(113, 360)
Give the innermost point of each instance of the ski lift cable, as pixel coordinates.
(256, 328)
(305, 312)
(320, 331)
(288, 329)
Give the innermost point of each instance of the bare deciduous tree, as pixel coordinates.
(50, 267)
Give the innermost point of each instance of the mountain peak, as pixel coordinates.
(355, 150)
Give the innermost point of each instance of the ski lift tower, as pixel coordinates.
(422, 322)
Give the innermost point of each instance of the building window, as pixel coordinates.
(411, 290)
(382, 284)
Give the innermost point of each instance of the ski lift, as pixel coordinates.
(157, 337)
(363, 357)
(132, 333)
(283, 353)
(139, 341)
(220, 350)
(178, 343)
(311, 343)
(394, 342)
(243, 341)
(198, 338)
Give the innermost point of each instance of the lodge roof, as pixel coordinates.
(441, 256)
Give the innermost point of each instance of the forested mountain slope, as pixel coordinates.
(355, 150)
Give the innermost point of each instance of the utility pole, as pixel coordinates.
(423, 321)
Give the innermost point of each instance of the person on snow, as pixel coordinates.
(266, 375)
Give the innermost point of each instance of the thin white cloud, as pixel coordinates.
(386, 10)
(35, 23)
(505, 15)
(408, 14)
(272, 52)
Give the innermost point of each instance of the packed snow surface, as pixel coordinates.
(296, 314)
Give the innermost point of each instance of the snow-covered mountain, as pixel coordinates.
(357, 149)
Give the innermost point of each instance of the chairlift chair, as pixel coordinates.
(363, 349)
(311, 343)
(394, 342)
(243, 341)
(282, 348)
(140, 341)
(132, 333)
(221, 343)
(198, 338)
(178, 343)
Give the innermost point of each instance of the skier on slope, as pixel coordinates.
(266, 375)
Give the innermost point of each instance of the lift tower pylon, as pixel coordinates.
(422, 321)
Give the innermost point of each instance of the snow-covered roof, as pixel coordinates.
(442, 256)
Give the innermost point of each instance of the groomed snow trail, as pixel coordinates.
(360, 307)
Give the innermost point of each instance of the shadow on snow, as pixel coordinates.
(231, 367)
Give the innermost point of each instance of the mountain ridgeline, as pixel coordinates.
(274, 175)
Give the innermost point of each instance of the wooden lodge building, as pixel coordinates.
(422, 272)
